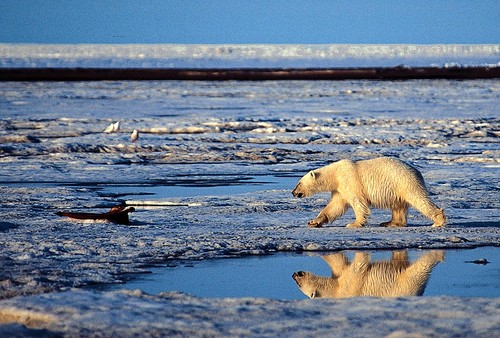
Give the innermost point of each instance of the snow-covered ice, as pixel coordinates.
(130, 314)
(230, 56)
(213, 168)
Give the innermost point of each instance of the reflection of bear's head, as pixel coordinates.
(307, 185)
(394, 278)
(308, 284)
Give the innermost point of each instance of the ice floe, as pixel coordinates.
(211, 177)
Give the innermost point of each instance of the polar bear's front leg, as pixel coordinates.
(333, 210)
(361, 212)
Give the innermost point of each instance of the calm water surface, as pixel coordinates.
(271, 276)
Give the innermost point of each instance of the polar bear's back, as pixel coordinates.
(387, 182)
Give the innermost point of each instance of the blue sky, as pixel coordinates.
(257, 21)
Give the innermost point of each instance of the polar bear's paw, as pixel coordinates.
(315, 224)
(391, 224)
(354, 225)
(439, 219)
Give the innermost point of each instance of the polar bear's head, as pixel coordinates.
(308, 185)
(303, 282)
(315, 286)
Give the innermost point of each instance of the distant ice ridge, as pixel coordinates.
(229, 56)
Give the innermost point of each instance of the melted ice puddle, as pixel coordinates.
(228, 185)
(462, 273)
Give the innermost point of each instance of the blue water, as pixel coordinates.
(226, 185)
(271, 276)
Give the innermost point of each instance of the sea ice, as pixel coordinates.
(217, 162)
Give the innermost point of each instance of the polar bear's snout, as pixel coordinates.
(296, 192)
(297, 276)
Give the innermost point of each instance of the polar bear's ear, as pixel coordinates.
(315, 175)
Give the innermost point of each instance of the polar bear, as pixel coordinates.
(394, 278)
(381, 182)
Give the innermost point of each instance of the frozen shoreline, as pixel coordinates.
(54, 156)
(128, 314)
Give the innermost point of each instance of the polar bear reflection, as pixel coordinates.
(396, 277)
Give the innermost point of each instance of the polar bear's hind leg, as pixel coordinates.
(425, 206)
(399, 215)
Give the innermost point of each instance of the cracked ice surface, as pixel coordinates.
(219, 161)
